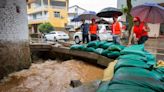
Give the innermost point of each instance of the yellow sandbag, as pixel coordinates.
(160, 63)
(109, 71)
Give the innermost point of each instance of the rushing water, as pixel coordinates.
(50, 76)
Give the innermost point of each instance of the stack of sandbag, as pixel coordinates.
(108, 49)
(135, 71)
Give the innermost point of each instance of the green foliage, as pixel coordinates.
(125, 10)
(45, 28)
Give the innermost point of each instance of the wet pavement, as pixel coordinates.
(51, 76)
(156, 47)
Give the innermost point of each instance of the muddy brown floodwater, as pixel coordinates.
(50, 76)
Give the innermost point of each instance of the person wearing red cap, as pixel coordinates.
(116, 30)
(93, 28)
(139, 31)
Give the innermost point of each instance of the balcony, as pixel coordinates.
(42, 5)
(37, 9)
(37, 20)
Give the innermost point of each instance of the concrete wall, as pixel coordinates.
(14, 46)
(154, 30)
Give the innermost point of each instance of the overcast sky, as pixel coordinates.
(93, 5)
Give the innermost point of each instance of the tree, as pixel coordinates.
(45, 28)
(124, 10)
(129, 16)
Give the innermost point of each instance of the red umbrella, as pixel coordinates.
(149, 12)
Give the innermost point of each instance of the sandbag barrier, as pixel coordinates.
(135, 71)
(104, 48)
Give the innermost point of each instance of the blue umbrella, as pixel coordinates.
(76, 19)
(87, 15)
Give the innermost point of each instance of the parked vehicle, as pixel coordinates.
(104, 33)
(56, 35)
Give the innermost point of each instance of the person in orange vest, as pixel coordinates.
(116, 30)
(139, 31)
(93, 29)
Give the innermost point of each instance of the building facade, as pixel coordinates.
(156, 29)
(74, 11)
(52, 11)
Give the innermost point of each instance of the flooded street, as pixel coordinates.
(51, 76)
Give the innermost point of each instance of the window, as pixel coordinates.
(107, 28)
(45, 14)
(34, 16)
(76, 10)
(45, 2)
(99, 26)
(29, 6)
(37, 15)
(122, 6)
(52, 32)
(58, 3)
(57, 14)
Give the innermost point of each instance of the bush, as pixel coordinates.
(45, 28)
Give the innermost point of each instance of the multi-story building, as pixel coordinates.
(52, 11)
(156, 29)
(73, 12)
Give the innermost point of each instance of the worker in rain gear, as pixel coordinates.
(139, 31)
(93, 28)
(116, 30)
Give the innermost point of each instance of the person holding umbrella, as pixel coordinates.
(140, 31)
(93, 29)
(111, 12)
(116, 30)
(85, 31)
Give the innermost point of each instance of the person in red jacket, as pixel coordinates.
(139, 31)
(116, 30)
(93, 29)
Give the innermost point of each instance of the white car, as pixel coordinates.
(56, 35)
(105, 34)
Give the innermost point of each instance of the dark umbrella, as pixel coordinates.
(102, 21)
(109, 12)
(88, 15)
(149, 12)
(76, 19)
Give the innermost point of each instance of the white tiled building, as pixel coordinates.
(74, 11)
(155, 28)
